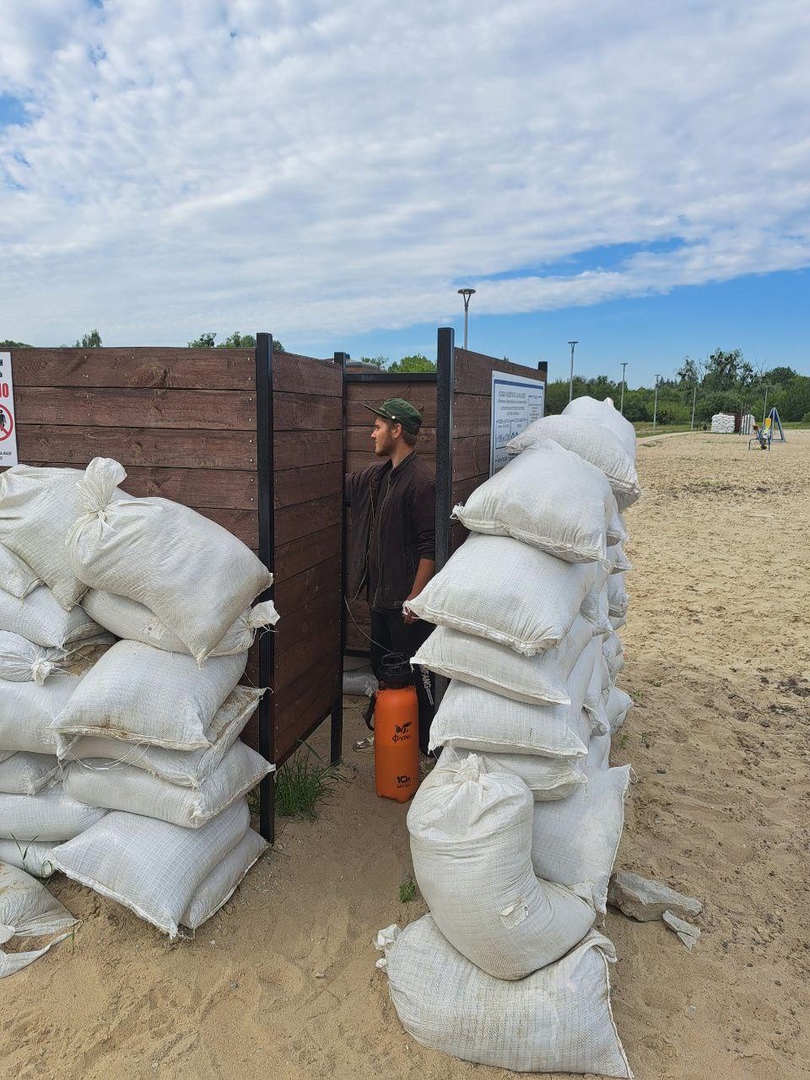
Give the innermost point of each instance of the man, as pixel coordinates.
(392, 551)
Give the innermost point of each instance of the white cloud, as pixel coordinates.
(332, 169)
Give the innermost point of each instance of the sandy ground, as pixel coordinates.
(283, 982)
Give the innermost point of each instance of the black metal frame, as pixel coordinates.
(266, 500)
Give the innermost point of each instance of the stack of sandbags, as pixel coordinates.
(151, 731)
(723, 424)
(513, 837)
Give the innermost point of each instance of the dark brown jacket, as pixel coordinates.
(393, 527)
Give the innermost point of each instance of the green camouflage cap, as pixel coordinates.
(399, 411)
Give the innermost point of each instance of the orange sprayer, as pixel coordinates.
(396, 730)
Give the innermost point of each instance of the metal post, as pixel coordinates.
(466, 294)
(336, 747)
(694, 399)
(655, 406)
(624, 364)
(571, 376)
(765, 406)
(445, 392)
(266, 500)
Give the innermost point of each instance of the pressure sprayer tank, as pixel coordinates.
(396, 730)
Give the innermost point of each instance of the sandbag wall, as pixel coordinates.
(126, 770)
(515, 832)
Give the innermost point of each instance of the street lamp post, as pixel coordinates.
(624, 364)
(571, 376)
(655, 406)
(466, 294)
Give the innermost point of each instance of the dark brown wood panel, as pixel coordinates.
(464, 488)
(293, 374)
(358, 440)
(321, 637)
(242, 523)
(316, 415)
(295, 522)
(291, 723)
(470, 457)
(306, 588)
(473, 372)
(75, 446)
(421, 395)
(126, 407)
(295, 486)
(141, 368)
(299, 555)
(293, 451)
(471, 416)
(320, 676)
(195, 487)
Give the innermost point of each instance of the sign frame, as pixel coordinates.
(8, 416)
(517, 401)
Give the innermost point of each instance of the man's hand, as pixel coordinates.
(424, 572)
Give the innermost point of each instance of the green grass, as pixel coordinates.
(643, 429)
(303, 783)
(407, 891)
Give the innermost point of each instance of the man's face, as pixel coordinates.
(383, 438)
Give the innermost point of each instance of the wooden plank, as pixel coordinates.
(299, 555)
(358, 440)
(473, 372)
(294, 374)
(215, 410)
(302, 628)
(421, 395)
(295, 661)
(294, 722)
(308, 587)
(471, 415)
(470, 457)
(326, 669)
(195, 487)
(242, 523)
(76, 446)
(293, 450)
(189, 369)
(295, 486)
(315, 414)
(295, 522)
(464, 488)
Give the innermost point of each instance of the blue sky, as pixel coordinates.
(635, 177)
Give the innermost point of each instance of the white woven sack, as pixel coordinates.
(141, 694)
(128, 619)
(151, 867)
(596, 697)
(557, 1020)
(187, 768)
(606, 414)
(574, 842)
(50, 815)
(221, 883)
(617, 595)
(42, 620)
(497, 588)
(539, 680)
(546, 778)
(599, 752)
(616, 530)
(32, 857)
(478, 719)
(470, 827)
(124, 787)
(27, 713)
(6, 754)
(23, 661)
(37, 508)
(16, 576)
(26, 774)
(593, 442)
(613, 652)
(617, 705)
(617, 621)
(27, 910)
(619, 563)
(547, 497)
(194, 575)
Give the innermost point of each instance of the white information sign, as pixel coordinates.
(8, 426)
(517, 401)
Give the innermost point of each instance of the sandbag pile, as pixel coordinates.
(723, 424)
(127, 770)
(514, 833)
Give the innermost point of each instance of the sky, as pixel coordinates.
(633, 177)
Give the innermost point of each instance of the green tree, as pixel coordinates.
(9, 344)
(381, 362)
(412, 364)
(89, 341)
(233, 341)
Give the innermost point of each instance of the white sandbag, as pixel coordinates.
(470, 827)
(50, 815)
(40, 619)
(497, 588)
(593, 442)
(541, 679)
(187, 768)
(599, 752)
(128, 619)
(151, 867)
(617, 595)
(194, 575)
(37, 508)
(221, 883)
(547, 497)
(615, 530)
(619, 563)
(26, 774)
(617, 705)
(32, 857)
(574, 842)
(141, 694)
(478, 719)
(23, 661)
(16, 576)
(546, 778)
(557, 1020)
(613, 652)
(27, 712)
(595, 705)
(606, 414)
(27, 910)
(124, 787)
(618, 621)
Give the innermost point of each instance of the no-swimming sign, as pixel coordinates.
(8, 427)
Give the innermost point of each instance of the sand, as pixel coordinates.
(282, 982)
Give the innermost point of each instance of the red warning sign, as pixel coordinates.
(8, 429)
